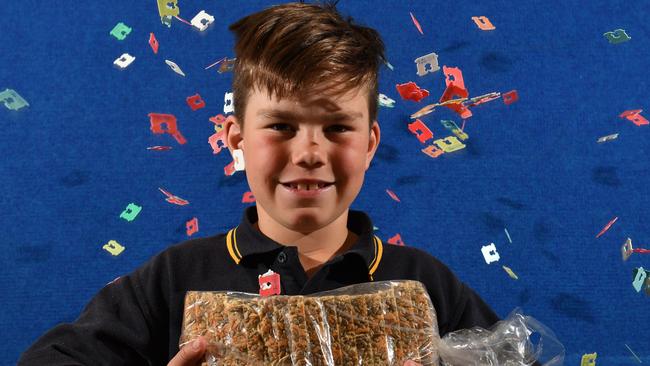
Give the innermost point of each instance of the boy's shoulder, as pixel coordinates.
(198, 244)
(411, 263)
(191, 265)
(208, 249)
(412, 257)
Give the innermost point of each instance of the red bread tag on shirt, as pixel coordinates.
(269, 283)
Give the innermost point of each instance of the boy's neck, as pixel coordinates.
(314, 248)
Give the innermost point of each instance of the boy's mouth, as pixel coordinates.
(306, 187)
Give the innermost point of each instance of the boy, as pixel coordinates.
(305, 91)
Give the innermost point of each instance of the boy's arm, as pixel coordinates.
(113, 329)
(457, 305)
(470, 311)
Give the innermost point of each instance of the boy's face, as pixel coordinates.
(291, 145)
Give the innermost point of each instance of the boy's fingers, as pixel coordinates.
(190, 354)
(411, 363)
(193, 352)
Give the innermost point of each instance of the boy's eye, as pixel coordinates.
(338, 128)
(285, 127)
(280, 127)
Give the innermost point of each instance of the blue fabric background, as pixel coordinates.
(74, 159)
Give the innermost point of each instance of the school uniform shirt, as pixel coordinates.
(136, 319)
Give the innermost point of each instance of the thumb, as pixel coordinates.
(411, 363)
(190, 353)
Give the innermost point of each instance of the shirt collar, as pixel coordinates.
(245, 239)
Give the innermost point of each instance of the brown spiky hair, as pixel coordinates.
(295, 49)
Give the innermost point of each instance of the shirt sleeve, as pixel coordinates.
(457, 305)
(471, 311)
(115, 328)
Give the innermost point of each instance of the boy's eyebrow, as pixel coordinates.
(289, 115)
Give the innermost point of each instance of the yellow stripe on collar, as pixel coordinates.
(234, 238)
(231, 243)
(233, 249)
(379, 250)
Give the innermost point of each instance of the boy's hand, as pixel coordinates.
(190, 354)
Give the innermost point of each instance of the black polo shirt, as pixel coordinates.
(136, 320)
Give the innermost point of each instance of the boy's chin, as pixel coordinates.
(307, 219)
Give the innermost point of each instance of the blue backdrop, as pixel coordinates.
(77, 156)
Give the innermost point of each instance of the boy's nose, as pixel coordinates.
(308, 151)
(309, 157)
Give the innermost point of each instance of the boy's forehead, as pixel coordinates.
(353, 103)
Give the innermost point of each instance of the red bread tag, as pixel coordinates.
(396, 240)
(420, 130)
(411, 91)
(195, 102)
(153, 42)
(192, 226)
(248, 197)
(269, 283)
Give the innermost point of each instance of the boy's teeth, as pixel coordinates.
(307, 187)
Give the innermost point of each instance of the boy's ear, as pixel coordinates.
(234, 133)
(373, 142)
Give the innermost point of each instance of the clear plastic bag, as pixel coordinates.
(375, 323)
(518, 340)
